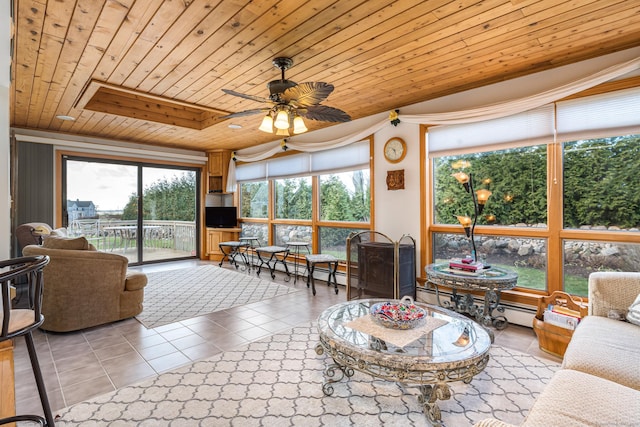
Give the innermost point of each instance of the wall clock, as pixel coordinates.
(394, 150)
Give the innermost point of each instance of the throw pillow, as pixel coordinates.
(616, 314)
(60, 232)
(633, 315)
(56, 242)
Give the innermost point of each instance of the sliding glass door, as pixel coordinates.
(143, 211)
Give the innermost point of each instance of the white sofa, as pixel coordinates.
(599, 383)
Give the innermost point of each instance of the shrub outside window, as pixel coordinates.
(293, 198)
(601, 183)
(345, 196)
(516, 177)
(254, 199)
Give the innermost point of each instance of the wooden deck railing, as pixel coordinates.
(118, 235)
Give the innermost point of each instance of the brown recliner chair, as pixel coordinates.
(85, 288)
(31, 233)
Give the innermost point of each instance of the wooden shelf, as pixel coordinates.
(218, 168)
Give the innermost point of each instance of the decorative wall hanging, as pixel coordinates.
(395, 180)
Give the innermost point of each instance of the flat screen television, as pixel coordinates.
(221, 217)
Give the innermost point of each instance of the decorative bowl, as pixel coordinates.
(398, 314)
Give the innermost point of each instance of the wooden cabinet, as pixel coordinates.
(8, 397)
(217, 235)
(218, 167)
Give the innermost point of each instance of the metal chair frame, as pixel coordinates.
(31, 267)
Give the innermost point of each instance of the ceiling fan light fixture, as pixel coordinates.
(267, 124)
(298, 125)
(282, 120)
(286, 99)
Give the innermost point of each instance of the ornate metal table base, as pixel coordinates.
(491, 282)
(464, 303)
(432, 384)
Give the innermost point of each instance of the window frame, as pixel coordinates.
(555, 234)
(315, 222)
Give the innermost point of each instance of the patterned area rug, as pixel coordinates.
(174, 295)
(277, 381)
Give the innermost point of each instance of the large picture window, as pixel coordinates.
(601, 183)
(344, 207)
(599, 201)
(516, 177)
(318, 198)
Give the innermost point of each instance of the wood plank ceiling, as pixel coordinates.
(379, 55)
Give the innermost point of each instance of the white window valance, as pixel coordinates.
(527, 128)
(349, 157)
(596, 116)
(608, 114)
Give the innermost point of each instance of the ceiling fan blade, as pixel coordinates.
(324, 113)
(242, 95)
(245, 113)
(307, 94)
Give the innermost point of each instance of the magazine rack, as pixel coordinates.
(551, 338)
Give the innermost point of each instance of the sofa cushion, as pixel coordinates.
(606, 348)
(574, 398)
(56, 242)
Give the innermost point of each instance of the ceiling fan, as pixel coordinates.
(290, 102)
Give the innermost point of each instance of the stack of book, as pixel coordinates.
(562, 316)
(466, 264)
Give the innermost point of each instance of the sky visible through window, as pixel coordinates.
(109, 186)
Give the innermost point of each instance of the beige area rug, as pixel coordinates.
(174, 295)
(277, 381)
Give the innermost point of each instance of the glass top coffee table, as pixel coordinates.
(448, 348)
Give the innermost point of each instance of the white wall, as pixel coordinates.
(5, 63)
(397, 212)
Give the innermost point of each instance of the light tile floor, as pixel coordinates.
(84, 364)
